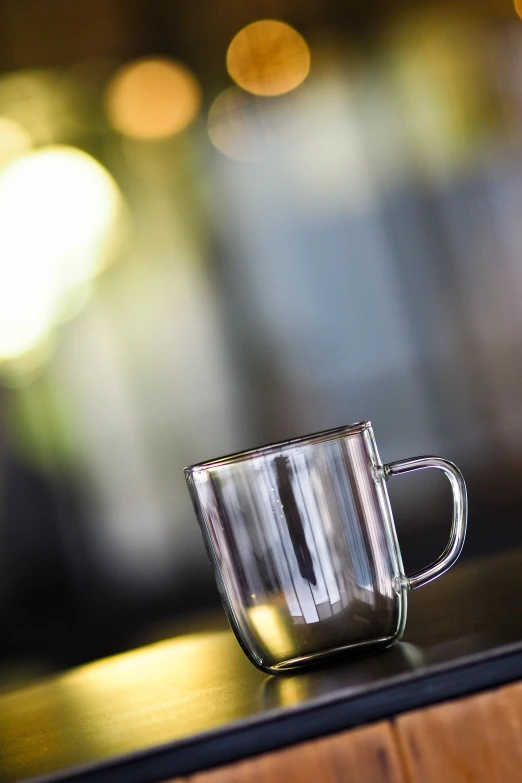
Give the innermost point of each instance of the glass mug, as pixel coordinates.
(303, 544)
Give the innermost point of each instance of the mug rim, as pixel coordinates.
(315, 437)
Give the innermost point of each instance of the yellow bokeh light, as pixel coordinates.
(152, 98)
(272, 628)
(518, 8)
(57, 206)
(14, 140)
(268, 58)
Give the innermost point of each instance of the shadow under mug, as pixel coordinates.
(303, 545)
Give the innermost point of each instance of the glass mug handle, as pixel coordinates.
(460, 514)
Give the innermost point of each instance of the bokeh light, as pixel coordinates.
(268, 58)
(437, 66)
(57, 208)
(44, 103)
(14, 140)
(248, 128)
(152, 98)
(518, 8)
(230, 128)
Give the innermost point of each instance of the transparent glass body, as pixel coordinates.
(303, 545)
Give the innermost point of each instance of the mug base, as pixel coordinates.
(292, 665)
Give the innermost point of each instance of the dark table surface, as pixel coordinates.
(195, 701)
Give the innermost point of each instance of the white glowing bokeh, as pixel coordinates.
(15, 140)
(57, 207)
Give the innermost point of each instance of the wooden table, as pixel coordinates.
(178, 708)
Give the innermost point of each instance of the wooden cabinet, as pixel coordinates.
(473, 740)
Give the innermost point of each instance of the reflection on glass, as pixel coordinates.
(270, 624)
(268, 58)
(152, 98)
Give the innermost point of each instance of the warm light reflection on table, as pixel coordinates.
(122, 704)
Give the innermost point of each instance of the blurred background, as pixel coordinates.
(225, 223)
